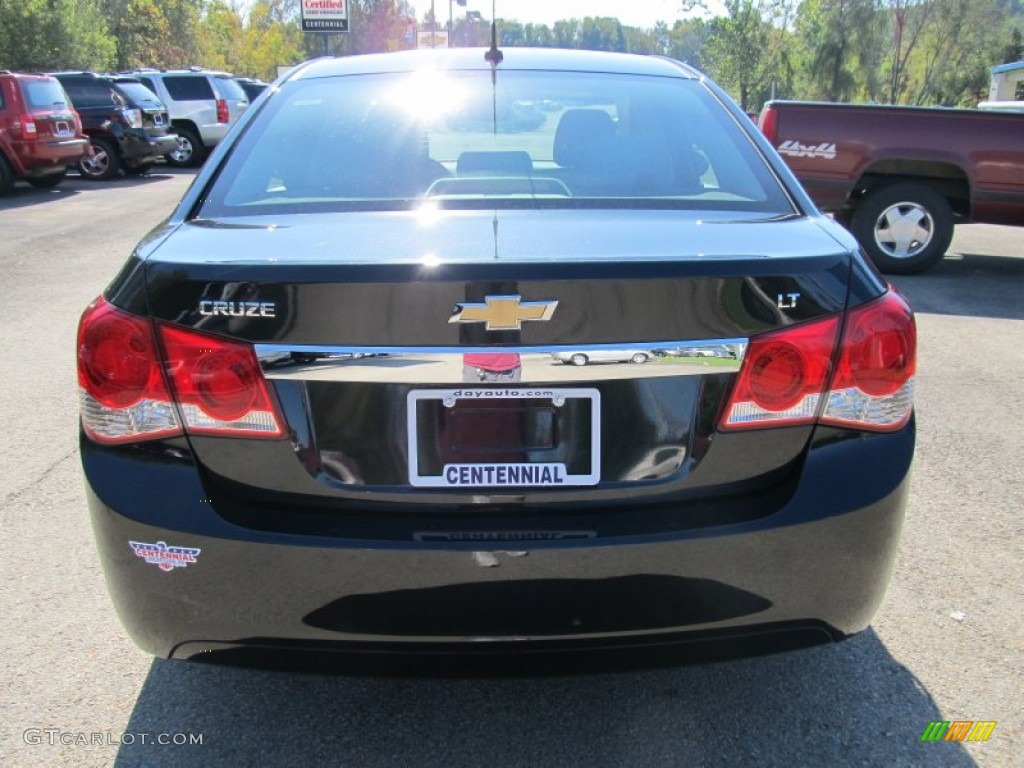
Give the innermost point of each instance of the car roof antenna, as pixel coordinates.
(493, 55)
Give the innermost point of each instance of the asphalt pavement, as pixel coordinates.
(946, 645)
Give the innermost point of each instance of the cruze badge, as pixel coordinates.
(238, 308)
(503, 313)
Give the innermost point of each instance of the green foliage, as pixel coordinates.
(836, 42)
(901, 51)
(747, 50)
(41, 35)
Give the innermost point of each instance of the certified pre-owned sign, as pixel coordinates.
(324, 15)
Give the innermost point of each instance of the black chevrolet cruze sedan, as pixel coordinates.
(321, 405)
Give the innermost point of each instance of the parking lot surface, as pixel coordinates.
(948, 643)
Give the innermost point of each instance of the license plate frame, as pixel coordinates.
(523, 475)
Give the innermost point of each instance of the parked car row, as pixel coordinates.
(106, 124)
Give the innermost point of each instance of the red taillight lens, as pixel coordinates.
(783, 376)
(874, 382)
(770, 124)
(786, 373)
(123, 392)
(222, 111)
(29, 129)
(125, 396)
(219, 385)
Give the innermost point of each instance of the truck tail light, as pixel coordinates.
(29, 129)
(769, 123)
(219, 385)
(122, 390)
(203, 384)
(222, 111)
(788, 378)
(873, 387)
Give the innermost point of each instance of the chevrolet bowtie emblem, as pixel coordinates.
(502, 313)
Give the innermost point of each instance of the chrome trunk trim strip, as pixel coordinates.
(455, 365)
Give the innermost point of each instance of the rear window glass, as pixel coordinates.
(229, 89)
(88, 92)
(44, 94)
(188, 88)
(138, 94)
(534, 138)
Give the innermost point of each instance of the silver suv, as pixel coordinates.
(202, 105)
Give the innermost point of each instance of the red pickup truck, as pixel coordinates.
(899, 178)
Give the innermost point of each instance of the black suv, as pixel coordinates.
(124, 120)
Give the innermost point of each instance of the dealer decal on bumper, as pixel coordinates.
(164, 557)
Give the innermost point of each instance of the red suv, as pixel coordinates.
(40, 133)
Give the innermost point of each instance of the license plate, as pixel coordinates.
(477, 437)
(62, 128)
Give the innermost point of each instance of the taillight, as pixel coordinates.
(873, 387)
(787, 377)
(126, 388)
(219, 385)
(222, 111)
(123, 393)
(78, 122)
(29, 130)
(770, 124)
(783, 377)
(133, 117)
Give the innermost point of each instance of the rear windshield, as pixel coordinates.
(526, 139)
(188, 87)
(138, 94)
(229, 89)
(44, 94)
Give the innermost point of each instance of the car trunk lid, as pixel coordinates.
(361, 325)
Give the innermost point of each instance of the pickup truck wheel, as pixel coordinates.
(189, 151)
(905, 228)
(104, 163)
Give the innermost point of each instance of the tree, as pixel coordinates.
(54, 34)
(270, 38)
(837, 40)
(1014, 49)
(567, 33)
(954, 53)
(910, 19)
(602, 34)
(746, 50)
(220, 38)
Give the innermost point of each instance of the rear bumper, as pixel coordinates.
(823, 560)
(39, 158)
(140, 148)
